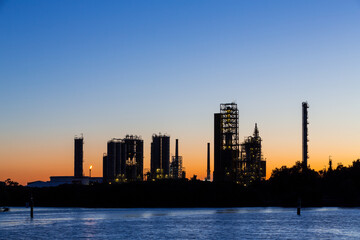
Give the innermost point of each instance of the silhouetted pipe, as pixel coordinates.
(299, 207)
(305, 106)
(177, 149)
(208, 161)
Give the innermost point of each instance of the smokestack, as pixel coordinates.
(78, 156)
(177, 149)
(208, 161)
(305, 123)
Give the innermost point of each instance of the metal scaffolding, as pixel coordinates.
(229, 126)
(226, 142)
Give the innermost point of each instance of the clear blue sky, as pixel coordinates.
(109, 68)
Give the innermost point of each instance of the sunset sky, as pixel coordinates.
(111, 68)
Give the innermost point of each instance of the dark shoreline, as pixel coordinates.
(338, 187)
(170, 194)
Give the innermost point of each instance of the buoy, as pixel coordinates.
(31, 207)
(299, 207)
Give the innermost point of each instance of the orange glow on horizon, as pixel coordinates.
(194, 164)
(39, 160)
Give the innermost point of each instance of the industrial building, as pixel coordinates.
(124, 159)
(60, 180)
(226, 143)
(252, 165)
(176, 167)
(160, 156)
(231, 163)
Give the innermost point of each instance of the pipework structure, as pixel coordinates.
(78, 156)
(252, 165)
(305, 139)
(176, 168)
(226, 142)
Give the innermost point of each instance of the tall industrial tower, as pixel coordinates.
(78, 156)
(134, 158)
(226, 142)
(305, 139)
(114, 162)
(208, 162)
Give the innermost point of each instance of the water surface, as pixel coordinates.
(166, 223)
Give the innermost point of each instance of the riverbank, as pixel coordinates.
(168, 194)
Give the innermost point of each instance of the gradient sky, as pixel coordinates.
(111, 68)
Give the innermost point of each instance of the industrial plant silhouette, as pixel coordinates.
(230, 163)
(241, 163)
(238, 177)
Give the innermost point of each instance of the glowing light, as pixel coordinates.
(90, 166)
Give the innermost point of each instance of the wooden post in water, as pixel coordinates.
(299, 207)
(31, 207)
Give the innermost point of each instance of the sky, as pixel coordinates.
(110, 68)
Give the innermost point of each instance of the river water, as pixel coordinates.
(186, 223)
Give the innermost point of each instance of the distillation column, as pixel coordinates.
(305, 123)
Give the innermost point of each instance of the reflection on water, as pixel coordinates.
(207, 223)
